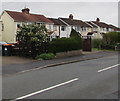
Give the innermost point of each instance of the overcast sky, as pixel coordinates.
(86, 11)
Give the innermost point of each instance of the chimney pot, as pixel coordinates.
(26, 10)
(71, 16)
(97, 20)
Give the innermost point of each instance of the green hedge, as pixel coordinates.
(64, 45)
(96, 43)
(110, 40)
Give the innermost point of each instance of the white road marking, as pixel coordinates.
(108, 68)
(38, 92)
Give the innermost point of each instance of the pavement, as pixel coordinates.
(79, 80)
(13, 64)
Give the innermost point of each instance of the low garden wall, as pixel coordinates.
(69, 54)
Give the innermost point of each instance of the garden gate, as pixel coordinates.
(87, 44)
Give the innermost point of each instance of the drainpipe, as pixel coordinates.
(59, 30)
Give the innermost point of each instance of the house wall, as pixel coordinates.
(84, 33)
(9, 31)
(0, 30)
(65, 33)
(49, 26)
(58, 31)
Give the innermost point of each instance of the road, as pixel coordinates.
(91, 79)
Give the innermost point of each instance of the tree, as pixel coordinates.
(75, 34)
(32, 32)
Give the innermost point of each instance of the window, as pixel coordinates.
(18, 25)
(83, 28)
(105, 29)
(108, 29)
(77, 28)
(50, 27)
(40, 23)
(55, 28)
(63, 28)
(94, 29)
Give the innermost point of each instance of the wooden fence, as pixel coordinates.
(30, 49)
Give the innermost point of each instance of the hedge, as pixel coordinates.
(64, 45)
(110, 40)
(96, 43)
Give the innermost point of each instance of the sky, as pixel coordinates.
(86, 11)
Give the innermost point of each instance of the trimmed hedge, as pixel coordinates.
(64, 45)
(96, 43)
(111, 40)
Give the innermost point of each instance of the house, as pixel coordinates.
(0, 30)
(59, 28)
(116, 29)
(95, 33)
(100, 28)
(78, 25)
(12, 21)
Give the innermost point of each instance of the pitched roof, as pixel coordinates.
(101, 24)
(75, 22)
(22, 17)
(114, 27)
(57, 21)
(93, 25)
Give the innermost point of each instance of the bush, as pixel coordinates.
(45, 56)
(110, 40)
(64, 45)
(96, 43)
(75, 34)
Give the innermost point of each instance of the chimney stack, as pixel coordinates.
(97, 20)
(70, 16)
(26, 10)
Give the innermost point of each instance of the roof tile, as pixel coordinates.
(22, 17)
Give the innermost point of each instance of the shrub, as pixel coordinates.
(110, 40)
(75, 34)
(64, 45)
(45, 56)
(96, 43)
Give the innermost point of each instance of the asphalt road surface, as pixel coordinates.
(91, 79)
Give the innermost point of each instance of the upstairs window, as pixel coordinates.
(55, 28)
(77, 28)
(63, 28)
(50, 27)
(18, 25)
(83, 28)
(40, 23)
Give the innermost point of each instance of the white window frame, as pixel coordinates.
(64, 28)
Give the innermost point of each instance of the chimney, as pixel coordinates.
(26, 10)
(70, 16)
(97, 20)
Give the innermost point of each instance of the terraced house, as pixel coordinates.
(1, 30)
(65, 25)
(100, 28)
(10, 22)
(13, 20)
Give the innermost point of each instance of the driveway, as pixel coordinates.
(7, 60)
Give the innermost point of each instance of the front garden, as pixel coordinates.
(34, 41)
(110, 41)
